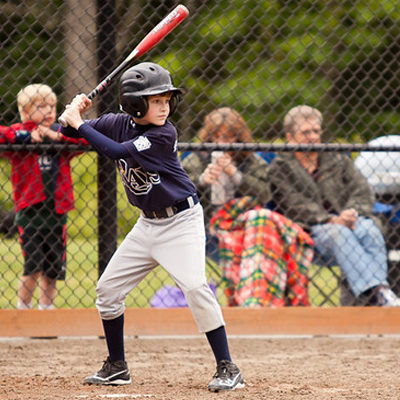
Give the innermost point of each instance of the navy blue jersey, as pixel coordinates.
(151, 172)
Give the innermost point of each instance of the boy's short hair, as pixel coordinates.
(302, 111)
(29, 94)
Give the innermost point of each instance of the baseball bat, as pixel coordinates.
(164, 27)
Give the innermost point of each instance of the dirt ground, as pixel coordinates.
(283, 368)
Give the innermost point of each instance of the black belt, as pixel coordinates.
(190, 202)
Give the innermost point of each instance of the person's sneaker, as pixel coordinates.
(386, 297)
(111, 373)
(227, 377)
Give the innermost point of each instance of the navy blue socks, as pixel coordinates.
(219, 344)
(114, 332)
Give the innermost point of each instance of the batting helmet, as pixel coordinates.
(145, 79)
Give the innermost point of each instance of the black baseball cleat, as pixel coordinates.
(111, 373)
(227, 377)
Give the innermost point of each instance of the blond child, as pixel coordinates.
(42, 192)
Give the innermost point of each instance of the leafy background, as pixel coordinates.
(261, 57)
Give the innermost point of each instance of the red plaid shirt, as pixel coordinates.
(264, 256)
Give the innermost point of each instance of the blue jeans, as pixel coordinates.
(361, 253)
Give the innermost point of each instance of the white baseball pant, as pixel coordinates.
(177, 244)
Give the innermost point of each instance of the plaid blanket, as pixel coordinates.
(264, 256)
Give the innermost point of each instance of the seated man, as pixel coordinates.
(326, 194)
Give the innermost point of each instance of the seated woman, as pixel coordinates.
(264, 256)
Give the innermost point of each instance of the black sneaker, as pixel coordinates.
(227, 377)
(111, 373)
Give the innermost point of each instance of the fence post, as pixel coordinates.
(107, 101)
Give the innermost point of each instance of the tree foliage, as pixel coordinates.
(260, 57)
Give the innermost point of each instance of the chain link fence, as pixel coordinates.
(260, 58)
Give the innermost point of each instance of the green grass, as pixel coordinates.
(324, 289)
(78, 290)
(6, 201)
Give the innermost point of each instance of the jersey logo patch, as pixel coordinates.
(138, 181)
(142, 143)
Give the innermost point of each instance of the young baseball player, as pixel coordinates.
(43, 194)
(170, 230)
